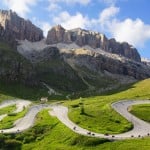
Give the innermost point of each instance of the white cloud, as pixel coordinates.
(70, 22)
(107, 14)
(133, 31)
(22, 7)
(45, 27)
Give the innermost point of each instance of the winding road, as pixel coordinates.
(140, 129)
(20, 105)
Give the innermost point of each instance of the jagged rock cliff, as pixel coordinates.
(14, 27)
(94, 39)
(14, 67)
(97, 62)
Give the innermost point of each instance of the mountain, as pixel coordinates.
(75, 60)
(14, 27)
(93, 39)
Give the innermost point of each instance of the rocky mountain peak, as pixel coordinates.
(19, 28)
(58, 28)
(93, 39)
(56, 34)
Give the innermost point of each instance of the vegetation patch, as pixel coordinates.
(7, 110)
(49, 133)
(97, 115)
(141, 111)
(8, 121)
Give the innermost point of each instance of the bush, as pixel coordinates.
(12, 144)
(87, 141)
(28, 139)
(12, 114)
(75, 106)
(117, 121)
(2, 140)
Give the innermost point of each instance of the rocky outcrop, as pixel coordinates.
(15, 27)
(97, 62)
(123, 49)
(55, 35)
(14, 67)
(93, 39)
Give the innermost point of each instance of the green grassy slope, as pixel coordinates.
(59, 75)
(19, 90)
(9, 120)
(96, 114)
(49, 133)
(7, 110)
(141, 111)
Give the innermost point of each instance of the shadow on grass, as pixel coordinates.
(88, 115)
(88, 94)
(35, 93)
(18, 90)
(87, 141)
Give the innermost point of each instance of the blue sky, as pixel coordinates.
(125, 20)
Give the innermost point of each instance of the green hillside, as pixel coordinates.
(141, 111)
(49, 133)
(98, 115)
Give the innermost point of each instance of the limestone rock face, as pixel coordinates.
(124, 49)
(97, 62)
(93, 39)
(55, 35)
(16, 27)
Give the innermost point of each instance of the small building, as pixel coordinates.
(44, 99)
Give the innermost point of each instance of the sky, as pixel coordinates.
(124, 20)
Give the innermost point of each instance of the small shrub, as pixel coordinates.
(12, 144)
(87, 141)
(117, 121)
(28, 139)
(12, 114)
(75, 106)
(39, 138)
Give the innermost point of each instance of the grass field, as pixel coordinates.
(96, 114)
(49, 133)
(7, 110)
(9, 120)
(56, 136)
(141, 111)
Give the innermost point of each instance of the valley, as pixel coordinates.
(73, 89)
(134, 93)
